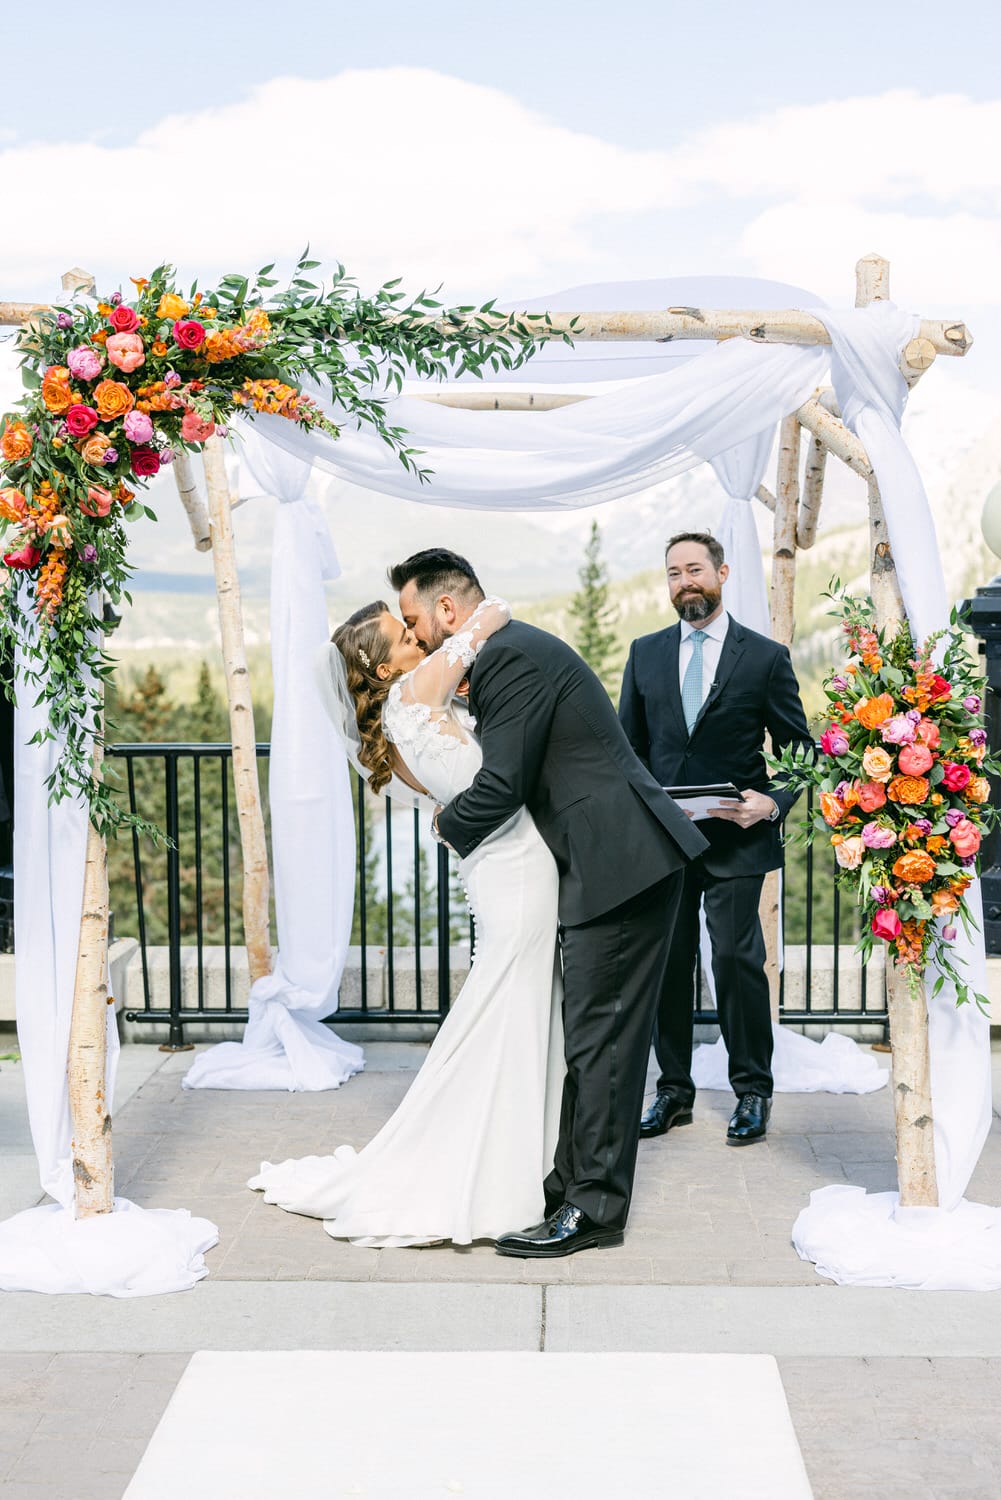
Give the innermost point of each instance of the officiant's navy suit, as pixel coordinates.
(754, 692)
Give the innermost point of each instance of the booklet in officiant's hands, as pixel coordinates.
(698, 801)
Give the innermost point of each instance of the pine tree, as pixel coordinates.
(595, 637)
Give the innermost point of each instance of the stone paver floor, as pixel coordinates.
(703, 1213)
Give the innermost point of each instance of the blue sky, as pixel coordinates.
(513, 149)
(633, 71)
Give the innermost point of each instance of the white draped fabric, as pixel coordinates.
(134, 1251)
(286, 1046)
(837, 1065)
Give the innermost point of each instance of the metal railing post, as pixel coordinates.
(175, 1038)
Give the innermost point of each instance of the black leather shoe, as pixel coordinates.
(749, 1121)
(666, 1111)
(564, 1233)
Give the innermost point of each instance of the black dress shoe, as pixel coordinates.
(564, 1233)
(666, 1111)
(749, 1121)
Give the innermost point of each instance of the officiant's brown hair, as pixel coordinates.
(705, 539)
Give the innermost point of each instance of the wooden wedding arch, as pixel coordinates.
(796, 510)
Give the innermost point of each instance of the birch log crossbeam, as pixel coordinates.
(943, 335)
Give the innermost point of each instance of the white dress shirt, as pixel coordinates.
(712, 646)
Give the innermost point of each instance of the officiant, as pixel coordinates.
(697, 701)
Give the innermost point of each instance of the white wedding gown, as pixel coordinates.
(465, 1154)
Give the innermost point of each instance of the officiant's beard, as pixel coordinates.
(697, 604)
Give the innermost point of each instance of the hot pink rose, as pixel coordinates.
(886, 924)
(955, 776)
(26, 557)
(81, 419)
(897, 731)
(84, 363)
(875, 836)
(194, 429)
(188, 333)
(965, 838)
(138, 427)
(126, 352)
(145, 462)
(124, 320)
(834, 741)
(915, 760)
(928, 733)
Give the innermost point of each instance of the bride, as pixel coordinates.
(465, 1154)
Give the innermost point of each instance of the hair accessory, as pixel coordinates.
(365, 659)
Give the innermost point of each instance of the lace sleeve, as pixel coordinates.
(436, 679)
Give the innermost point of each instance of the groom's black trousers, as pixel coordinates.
(613, 972)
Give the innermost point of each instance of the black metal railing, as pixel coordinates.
(408, 905)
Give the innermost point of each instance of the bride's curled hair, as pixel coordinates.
(364, 648)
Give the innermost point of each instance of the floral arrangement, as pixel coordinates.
(903, 792)
(116, 390)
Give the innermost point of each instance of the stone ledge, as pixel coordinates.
(119, 958)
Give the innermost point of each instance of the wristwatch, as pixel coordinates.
(774, 815)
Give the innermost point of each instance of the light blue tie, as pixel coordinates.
(691, 688)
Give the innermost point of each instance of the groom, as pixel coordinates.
(551, 742)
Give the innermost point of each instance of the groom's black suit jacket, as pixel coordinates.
(552, 742)
(754, 691)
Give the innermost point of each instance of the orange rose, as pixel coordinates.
(832, 808)
(937, 799)
(944, 902)
(159, 349)
(877, 763)
(16, 442)
(872, 712)
(915, 867)
(56, 389)
(93, 450)
(112, 399)
(13, 506)
(978, 790)
(850, 853)
(171, 306)
(909, 790)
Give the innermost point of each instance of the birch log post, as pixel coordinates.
(87, 1058)
(813, 491)
(256, 885)
(194, 505)
(782, 623)
(908, 1012)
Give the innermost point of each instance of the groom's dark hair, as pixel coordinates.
(437, 571)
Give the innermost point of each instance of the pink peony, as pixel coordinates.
(886, 924)
(955, 776)
(928, 733)
(965, 838)
(875, 836)
(138, 427)
(126, 351)
(898, 731)
(84, 363)
(194, 429)
(915, 760)
(80, 420)
(833, 741)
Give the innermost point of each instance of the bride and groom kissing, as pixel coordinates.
(526, 1110)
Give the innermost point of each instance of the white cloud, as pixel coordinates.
(406, 171)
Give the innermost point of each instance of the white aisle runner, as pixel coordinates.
(482, 1426)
